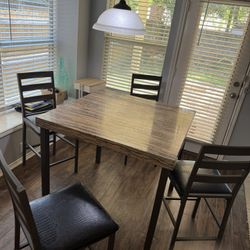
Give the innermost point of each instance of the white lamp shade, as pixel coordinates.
(119, 21)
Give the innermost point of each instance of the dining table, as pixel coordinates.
(147, 130)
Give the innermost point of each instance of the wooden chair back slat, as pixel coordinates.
(36, 86)
(39, 74)
(37, 98)
(149, 97)
(224, 150)
(230, 171)
(224, 165)
(216, 179)
(144, 86)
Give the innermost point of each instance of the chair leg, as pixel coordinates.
(170, 188)
(17, 234)
(54, 143)
(125, 160)
(98, 154)
(76, 156)
(225, 218)
(177, 224)
(111, 242)
(24, 144)
(196, 207)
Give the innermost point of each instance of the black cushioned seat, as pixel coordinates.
(207, 178)
(70, 219)
(181, 174)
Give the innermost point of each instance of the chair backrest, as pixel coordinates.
(21, 205)
(232, 171)
(142, 84)
(38, 82)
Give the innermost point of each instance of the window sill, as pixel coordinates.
(10, 121)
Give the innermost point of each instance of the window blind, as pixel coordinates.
(216, 50)
(27, 42)
(125, 55)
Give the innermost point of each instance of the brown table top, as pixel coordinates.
(141, 128)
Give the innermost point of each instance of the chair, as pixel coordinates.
(141, 83)
(36, 83)
(68, 219)
(146, 86)
(208, 178)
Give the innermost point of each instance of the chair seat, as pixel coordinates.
(181, 174)
(70, 219)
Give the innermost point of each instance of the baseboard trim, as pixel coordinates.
(18, 162)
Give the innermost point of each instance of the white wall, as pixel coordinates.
(83, 34)
(10, 146)
(96, 40)
(79, 45)
(72, 38)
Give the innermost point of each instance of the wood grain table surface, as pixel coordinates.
(141, 128)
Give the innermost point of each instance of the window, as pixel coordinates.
(27, 42)
(207, 68)
(212, 67)
(125, 55)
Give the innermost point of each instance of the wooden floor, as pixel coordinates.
(127, 193)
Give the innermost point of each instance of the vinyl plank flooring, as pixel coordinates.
(127, 193)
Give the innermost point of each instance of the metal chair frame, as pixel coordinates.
(240, 167)
(42, 97)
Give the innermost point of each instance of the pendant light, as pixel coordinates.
(120, 20)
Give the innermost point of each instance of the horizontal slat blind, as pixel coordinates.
(125, 55)
(213, 60)
(27, 42)
(27, 58)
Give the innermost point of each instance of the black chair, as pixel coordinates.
(146, 86)
(68, 219)
(140, 87)
(208, 178)
(36, 83)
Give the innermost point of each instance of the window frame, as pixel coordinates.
(179, 50)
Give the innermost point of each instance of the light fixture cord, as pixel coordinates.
(122, 5)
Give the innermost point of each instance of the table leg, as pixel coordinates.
(45, 161)
(80, 91)
(156, 209)
(98, 154)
